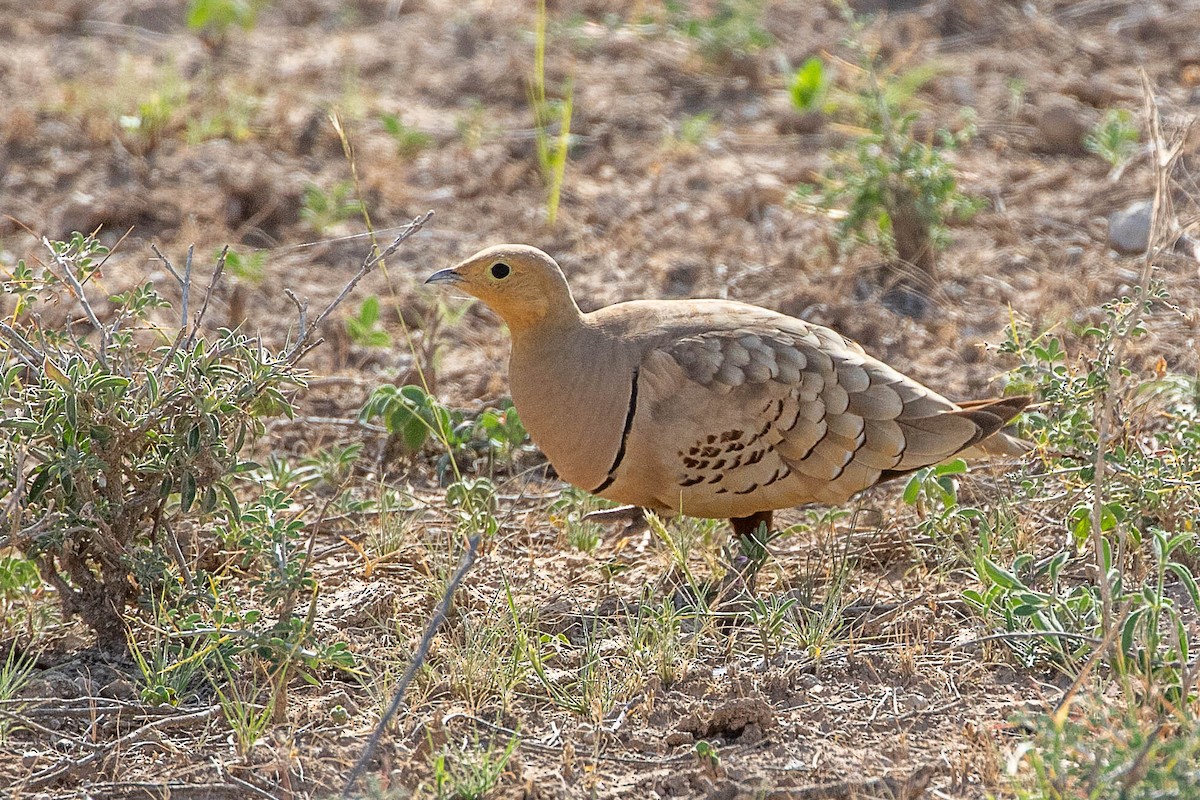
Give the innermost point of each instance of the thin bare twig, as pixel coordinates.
(297, 350)
(47, 776)
(218, 271)
(36, 357)
(439, 616)
(76, 286)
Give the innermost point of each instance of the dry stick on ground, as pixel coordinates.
(439, 616)
(51, 774)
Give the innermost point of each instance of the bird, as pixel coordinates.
(712, 408)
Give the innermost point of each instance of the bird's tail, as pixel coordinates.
(991, 416)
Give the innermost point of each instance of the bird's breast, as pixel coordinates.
(575, 402)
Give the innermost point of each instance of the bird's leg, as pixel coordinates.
(633, 517)
(752, 534)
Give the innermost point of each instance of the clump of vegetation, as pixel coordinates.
(154, 113)
(409, 140)
(116, 436)
(213, 19)
(414, 418)
(1114, 139)
(1133, 510)
(1109, 751)
(1114, 598)
(470, 770)
(891, 189)
(728, 36)
(321, 209)
(364, 328)
(122, 432)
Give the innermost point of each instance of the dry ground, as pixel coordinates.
(648, 210)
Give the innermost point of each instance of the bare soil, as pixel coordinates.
(903, 693)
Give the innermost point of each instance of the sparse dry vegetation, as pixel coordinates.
(236, 531)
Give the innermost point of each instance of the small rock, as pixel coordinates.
(676, 738)
(1129, 228)
(905, 301)
(119, 689)
(1099, 93)
(1061, 126)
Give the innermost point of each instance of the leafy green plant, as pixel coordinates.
(1141, 530)
(413, 417)
(727, 36)
(1115, 139)
(708, 754)
(214, 18)
(693, 131)
(890, 189)
(250, 268)
(409, 141)
(112, 438)
(1106, 751)
(321, 210)
(330, 467)
(570, 510)
(364, 328)
(770, 615)
(474, 502)
(275, 552)
(503, 431)
(471, 770)
(552, 148)
(809, 85)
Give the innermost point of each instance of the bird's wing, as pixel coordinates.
(779, 412)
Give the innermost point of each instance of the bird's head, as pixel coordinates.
(520, 283)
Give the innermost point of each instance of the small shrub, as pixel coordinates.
(322, 210)
(728, 36)
(1145, 547)
(409, 141)
(113, 436)
(1107, 751)
(889, 189)
(1114, 139)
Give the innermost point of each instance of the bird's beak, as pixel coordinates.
(444, 276)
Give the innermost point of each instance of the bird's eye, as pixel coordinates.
(500, 271)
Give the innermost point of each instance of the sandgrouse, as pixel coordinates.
(712, 408)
